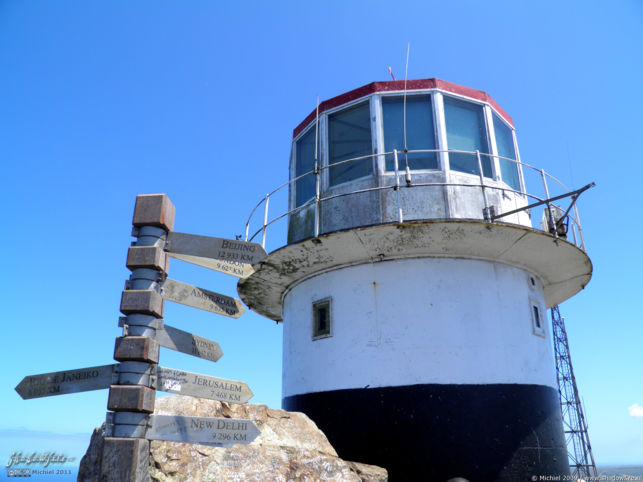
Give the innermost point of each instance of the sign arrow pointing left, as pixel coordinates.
(67, 381)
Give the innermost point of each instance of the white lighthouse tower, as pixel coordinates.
(413, 287)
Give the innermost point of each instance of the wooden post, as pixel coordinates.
(126, 450)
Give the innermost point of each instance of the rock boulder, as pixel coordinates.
(290, 448)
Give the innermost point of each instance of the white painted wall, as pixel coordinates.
(417, 321)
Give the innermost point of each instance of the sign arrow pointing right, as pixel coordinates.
(196, 246)
(202, 386)
(203, 299)
(210, 431)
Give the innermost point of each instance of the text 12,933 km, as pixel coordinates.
(215, 248)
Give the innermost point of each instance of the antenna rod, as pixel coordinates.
(406, 73)
(406, 155)
(316, 129)
(316, 170)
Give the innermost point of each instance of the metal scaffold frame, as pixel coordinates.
(579, 449)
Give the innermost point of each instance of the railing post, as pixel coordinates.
(317, 193)
(400, 216)
(316, 171)
(580, 229)
(574, 234)
(550, 214)
(265, 221)
(485, 212)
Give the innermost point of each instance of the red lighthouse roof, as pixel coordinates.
(398, 86)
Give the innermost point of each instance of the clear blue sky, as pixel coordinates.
(101, 101)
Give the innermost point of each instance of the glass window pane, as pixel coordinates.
(322, 322)
(505, 146)
(350, 136)
(466, 132)
(419, 131)
(305, 162)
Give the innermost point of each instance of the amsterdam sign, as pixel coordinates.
(203, 299)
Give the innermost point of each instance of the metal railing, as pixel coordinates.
(559, 224)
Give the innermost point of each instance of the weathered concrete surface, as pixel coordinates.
(290, 448)
(563, 268)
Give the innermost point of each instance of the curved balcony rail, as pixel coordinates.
(561, 220)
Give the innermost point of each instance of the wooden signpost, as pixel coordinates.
(166, 380)
(202, 386)
(133, 382)
(182, 341)
(216, 248)
(204, 430)
(67, 381)
(235, 268)
(226, 255)
(203, 299)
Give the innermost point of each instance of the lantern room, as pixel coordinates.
(455, 145)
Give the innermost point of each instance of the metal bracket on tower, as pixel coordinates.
(489, 213)
(558, 224)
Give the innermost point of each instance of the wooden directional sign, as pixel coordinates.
(182, 341)
(235, 268)
(201, 298)
(214, 248)
(185, 342)
(211, 431)
(68, 381)
(202, 386)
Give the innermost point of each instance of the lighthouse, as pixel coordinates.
(414, 284)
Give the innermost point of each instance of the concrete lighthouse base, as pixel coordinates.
(491, 432)
(434, 368)
(424, 347)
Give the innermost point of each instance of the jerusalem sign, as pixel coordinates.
(202, 386)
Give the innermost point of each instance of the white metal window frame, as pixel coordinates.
(374, 101)
(533, 282)
(326, 141)
(537, 330)
(491, 113)
(380, 129)
(495, 174)
(293, 164)
(324, 301)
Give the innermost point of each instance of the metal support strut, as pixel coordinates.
(579, 450)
